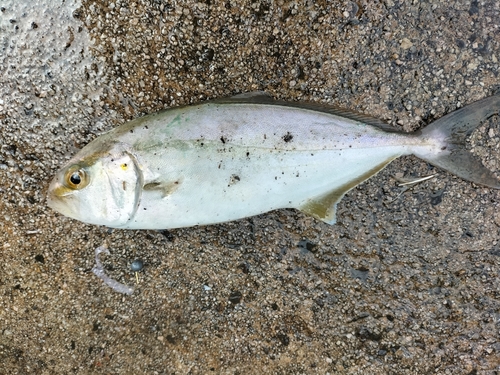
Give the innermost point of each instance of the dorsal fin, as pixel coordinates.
(256, 97)
(261, 97)
(342, 112)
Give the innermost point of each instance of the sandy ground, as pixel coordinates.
(407, 282)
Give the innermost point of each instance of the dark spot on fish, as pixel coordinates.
(145, 208)
(233, 179)
(265, 136)
(248, 154)
(297, 175)
(131, 130)
(201, 144)
(443, 148)
(287, 137)
(223, 140)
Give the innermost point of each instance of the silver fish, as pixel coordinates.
(233, 158)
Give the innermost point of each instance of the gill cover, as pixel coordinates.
(124, 184)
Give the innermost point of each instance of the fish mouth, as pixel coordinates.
(55, 194)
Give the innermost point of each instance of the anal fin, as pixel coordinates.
(324, 207)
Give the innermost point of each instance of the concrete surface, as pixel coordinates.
(407, 282)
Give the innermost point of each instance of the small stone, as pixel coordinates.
(406, 43)
(137, 265)
(235, 297)
(496, 218)
(473, 65)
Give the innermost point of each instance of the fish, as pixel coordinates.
(232, 158)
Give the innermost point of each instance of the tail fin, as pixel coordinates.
(452, 130)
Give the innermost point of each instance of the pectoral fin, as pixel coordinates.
(164, 188)
(325, 207)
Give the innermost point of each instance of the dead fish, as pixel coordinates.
(232, 158)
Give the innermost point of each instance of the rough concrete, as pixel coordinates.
(407, 282)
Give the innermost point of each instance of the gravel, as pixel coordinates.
(407, 281)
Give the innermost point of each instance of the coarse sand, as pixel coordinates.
(407, 281)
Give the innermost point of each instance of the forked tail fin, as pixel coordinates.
(452, 131)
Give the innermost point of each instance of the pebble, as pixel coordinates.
(137, 265)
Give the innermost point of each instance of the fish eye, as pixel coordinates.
(76, 177)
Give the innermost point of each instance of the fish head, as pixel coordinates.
(100, 185)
